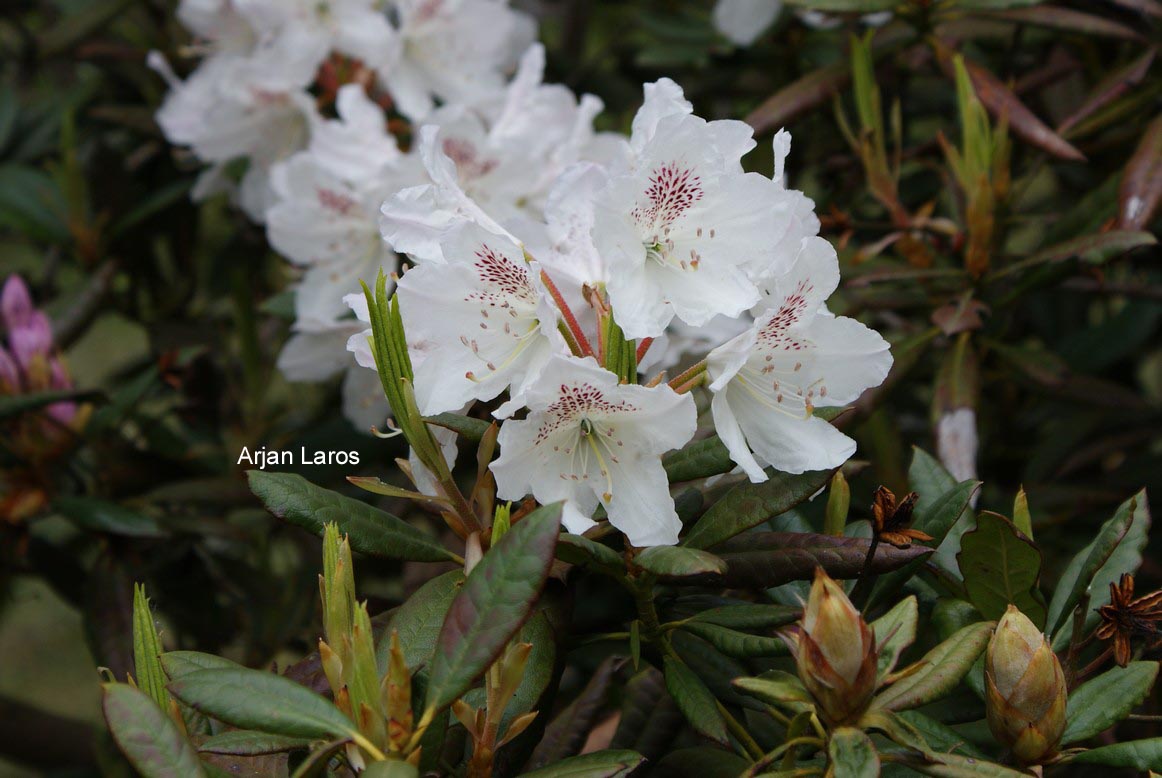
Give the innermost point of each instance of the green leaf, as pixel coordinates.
(765, 559)
(1094, 249)
(472, 430)
(748, 505)
(16, 404)
(419, 619)
(599, 764)
(940, 737)
(101, 516)
(737, 644)
(938, 672)
(928, 479)
(316, 762)
(679, 562)
(749, 616)
(245, 742)
(1022, 519)
(695, 701)
(31, 203)
(261, 701)
(147, 650)
(1135, 754)
(851, 754)
(1001, 567)
(895, 631)
(393, 768)
(370, 530)
(580, 550)
(146, 735)
(700, 459)
(178, 664)
(1096, 565)
(565, 735)
(776, 687)
(1101, 702)
(496, 599)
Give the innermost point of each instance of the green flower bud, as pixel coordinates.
(835, 652)
(1025, 689)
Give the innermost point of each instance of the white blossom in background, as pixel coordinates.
(797, 356)
(588, 440)
(742, 22)
(957, 444)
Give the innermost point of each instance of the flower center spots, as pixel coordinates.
(671, 192)
(469, 163)
(337, 202)
(774, 334)
(575, 406)
(501, 280)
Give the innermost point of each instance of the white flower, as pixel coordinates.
(743, 21)
(482, 311)
(590, 440)
(330, 227)
(454, 50)
(680, 229)
(356, 146)
(798, 356)
(356, 28)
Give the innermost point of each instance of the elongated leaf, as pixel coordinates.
(845, 6)
(748, 505)
(245, 742)
(1083, 570)
(101, 516)
(939, 671)
(749, 616)
(737, 644)
(147, 670)
(580, 550)
(929, 479)
(419, 619)
(1109, 89)
(776, 687)
(1135, 754)
(766, 559)
(392, 768)
(566, 733)
(700, 459)
(851, 754)
(1069, 20)
(178, 664)
(702, 762)
(679, 562)
(1091, 249)
(146, 735)
(599, 764)
(261, 701)
(15, 404)
(939, 736)
(1101, 702)
(466, 427)
(895, 631)
(1001, 567)
(497, 598)
(1002, 103)
(1141, 188)
(370, 530)
(695, 701)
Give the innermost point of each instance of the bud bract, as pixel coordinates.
(835, 652)
(1025, 689)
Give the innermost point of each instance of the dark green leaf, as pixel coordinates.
(580, 550)
(472, 430)
(566, 733)
(146, 734)
(1101, 702)
(700, 459)
(938, 672)
(894, 632)
(1091, 568)
(178, 664)
(370, 530)
(1135, 754)
(695, 701)
(679, 562)
(748, 505)
(497, 598)
(851, 754)
(1001, 567)
(245, 742)
(101, 516)
(393, 768)
(32, 203)
(600, 764)
(1094, 249)
(749, 616)
(776, 687)
(419, 619)
(737, 644)
(766, 559)
(261, 701)
(15, 404)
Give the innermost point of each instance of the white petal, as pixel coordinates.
(731, 434)
(743, 21)
(786, 442)
(642, 507)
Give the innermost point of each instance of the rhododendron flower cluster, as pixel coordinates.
(557, 273)
(28, 360)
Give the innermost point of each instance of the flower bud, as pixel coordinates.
(835, 652)
(1025, 689)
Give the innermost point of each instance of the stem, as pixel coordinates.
(865, 577)
(1095, 664)
(688, 375)
(753, 749)
(574, 326)
(361, 741)
(643, 347)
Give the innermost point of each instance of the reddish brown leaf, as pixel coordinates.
(1141, 188)
(1068, 20)
(1147, 7)
(799, 97)
(1001, 102)
(1111, 87)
